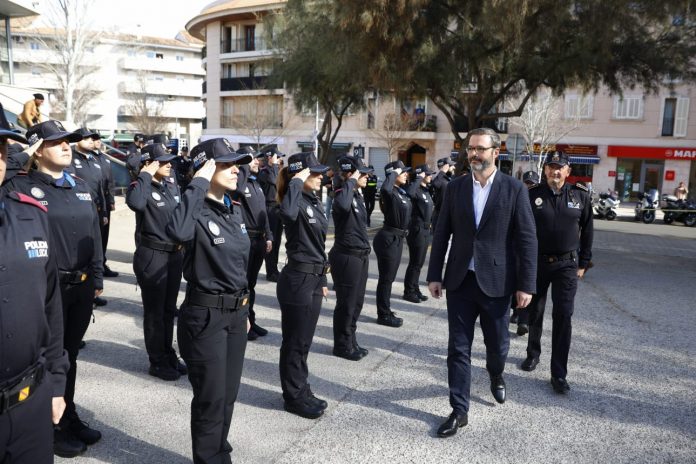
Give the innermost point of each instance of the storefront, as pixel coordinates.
(582, 160)
(639, 169)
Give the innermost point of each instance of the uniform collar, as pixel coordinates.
(218, 207)
(65, 182)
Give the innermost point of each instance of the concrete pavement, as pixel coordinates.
(632, 373)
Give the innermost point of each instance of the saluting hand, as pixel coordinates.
(398, 171)
(207, 170)
(151, 168)
(435, 289)
(303, 174)
(355, 175)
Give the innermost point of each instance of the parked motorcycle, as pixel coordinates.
(604, 205)
(647, 206)
(679, 210)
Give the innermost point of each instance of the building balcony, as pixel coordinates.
(251, 123)
(244, 83)
(163, 65)
(243, 45)
(187, 88)
(168, 109)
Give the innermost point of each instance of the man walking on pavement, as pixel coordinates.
(563, 216)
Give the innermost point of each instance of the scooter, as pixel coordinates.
(679, 210)
(647, 205)
(604, 205)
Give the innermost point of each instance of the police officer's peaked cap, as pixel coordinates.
(270, 151)
(87, 133)
(155, 152)
(424, 168)
(139, 138)
(219, 149)
(442, 161)
(247, 150)
(530, 177)
(300, 161)
(395, 165)
(557, 157)
(157, 138)
(351, 163)
(49, 131)
(185, 149)
(10, 134)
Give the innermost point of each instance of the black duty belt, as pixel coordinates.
(224, 301)
(308, 268)
(255, 233)
(394, 230)
(352, 251)
(17, 392)
(559, 257)
(159, 245)
(73, 277)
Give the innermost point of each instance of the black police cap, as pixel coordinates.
(87, 133)
(300, 161)
(396, 165)
(442, 161)
(530, 177)
(557, 157)
(247, 150)
(138, 138)
(157, 138)
(49, 131)
(219, 149)
(351, 163)
(155, 152)
(424, 168)
(6, 132)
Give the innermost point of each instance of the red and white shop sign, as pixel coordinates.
(619, 151)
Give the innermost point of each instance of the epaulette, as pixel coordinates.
(135, 182)
(22, 198)
(236, 203)
(338, 190)
(581, 186)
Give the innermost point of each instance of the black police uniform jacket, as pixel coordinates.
(395, 203)
(350, 217)
(73, 218)
(88, 168)
(422, 203)
(215, 239)
(31, 313)
(268, 176)
(563, 221)
(438, 186)
(153, 203)
(306, 226)
(252, 198)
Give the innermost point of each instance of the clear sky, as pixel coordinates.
(158, 18)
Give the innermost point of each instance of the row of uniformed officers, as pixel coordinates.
(216, 233)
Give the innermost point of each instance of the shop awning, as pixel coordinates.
(508, 157)
(584, 159)
(335, 146)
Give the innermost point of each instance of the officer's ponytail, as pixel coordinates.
(282, 184)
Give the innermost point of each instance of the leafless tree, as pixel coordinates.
(72, 40)
(543, 124)
(392, 133)
(146, 112)
(259, 119)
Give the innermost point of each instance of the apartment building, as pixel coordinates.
(628, 144)
(136, 80)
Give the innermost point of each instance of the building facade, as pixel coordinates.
(628, 144)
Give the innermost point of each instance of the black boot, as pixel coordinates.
(65, 444)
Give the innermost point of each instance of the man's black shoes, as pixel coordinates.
(390, 320)
(529, 364)
(522, 329)
(422, 297)
(560, 385)
(412, 297)
(498, 388)
(164, 372)
(453, 423)
(260, 331)
(99, 301)
(305, 407)
(364, 351)
(82, 431)
(109, 273)
(350, 355)
(251, 335)
(65, 444)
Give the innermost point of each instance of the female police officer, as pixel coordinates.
(349, 256)
(213, 325)
(389, 241)
(157, 260)
(418, 231)
(75, 228)
(302, 282)
(32, 360)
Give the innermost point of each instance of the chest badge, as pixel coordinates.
(36, 192)
(355, 202)
(573, 205)
(213, 228)
(78, 163)
(310, 211)
(156, 196)
(243, 227)
(538, 201)
(425, 197)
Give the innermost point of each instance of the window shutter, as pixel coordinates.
(617, 105)
(681, 118)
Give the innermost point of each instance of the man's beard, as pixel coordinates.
(485, 164)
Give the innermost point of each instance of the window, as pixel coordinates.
(34, 46)
(578, 106)
(180, 79)
(179, 58)
(155, 77)
(35, 72)
(150, 54)
(132, 53)
(628, 107)
(228, 71)
(675, 117)
(252, 69)
(159, 56)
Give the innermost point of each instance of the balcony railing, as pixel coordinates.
(253, 123)
(244, 83)
(242, 45)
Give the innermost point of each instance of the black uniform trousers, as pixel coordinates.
(349, 274)
(104, 229)
(299, 296)
(433, 219)
(276, 225)
(159, 278)
(212, 342)
(369, 206)
(464, 305)
(388, 247)
(78, 301)
(418, 240)
(26, 432)
(563, 279)
(257, 251)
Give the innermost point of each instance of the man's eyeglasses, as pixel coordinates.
(479, 150)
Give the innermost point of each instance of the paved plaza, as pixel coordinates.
(632, 371)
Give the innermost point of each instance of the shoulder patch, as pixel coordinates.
(30, 201)
(236, 203)
(581, 186)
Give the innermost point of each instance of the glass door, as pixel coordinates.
(651, 177)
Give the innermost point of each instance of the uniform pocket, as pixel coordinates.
(195, 321)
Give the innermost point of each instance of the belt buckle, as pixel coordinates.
(551, 259)
(83, 277)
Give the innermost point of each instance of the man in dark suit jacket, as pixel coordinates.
(492, 255)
